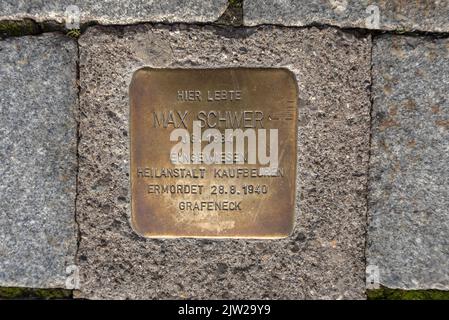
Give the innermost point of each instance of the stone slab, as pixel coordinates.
(409, 173)
(38, 107)
(324, 256)
(115, 11)
(393, 14)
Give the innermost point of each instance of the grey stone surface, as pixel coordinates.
(38, 106)
(399, 15)
(323, 258)
(409, 173)
(116, 11)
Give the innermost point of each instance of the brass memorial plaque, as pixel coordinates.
(213, 152)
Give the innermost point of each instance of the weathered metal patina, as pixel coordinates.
(213, 152)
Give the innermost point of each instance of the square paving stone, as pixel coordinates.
(38, 162)
(114, 11)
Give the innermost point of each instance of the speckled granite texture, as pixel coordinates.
(400, 15)
(324, 257)
(38, 161)
(114, 11)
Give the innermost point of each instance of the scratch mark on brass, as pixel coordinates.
(213, 152)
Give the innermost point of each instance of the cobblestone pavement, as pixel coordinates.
(372, 146)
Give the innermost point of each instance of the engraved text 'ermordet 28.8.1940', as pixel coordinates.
(213, 152)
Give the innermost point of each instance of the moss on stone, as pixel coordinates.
(398, 294)
(28, 293)
(233, 16)
(18, 28)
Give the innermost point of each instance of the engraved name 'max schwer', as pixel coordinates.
(213, 152)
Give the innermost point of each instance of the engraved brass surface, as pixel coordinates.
(190, 180)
